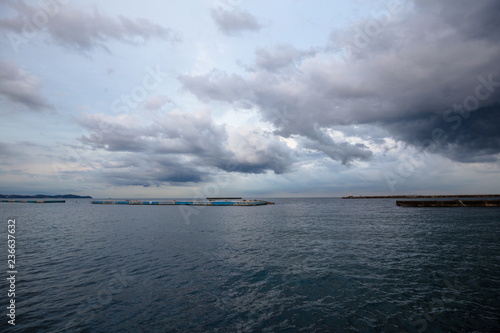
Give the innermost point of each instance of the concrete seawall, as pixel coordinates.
(411, 196)
(449, 203)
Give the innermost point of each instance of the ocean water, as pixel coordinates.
(302, 265)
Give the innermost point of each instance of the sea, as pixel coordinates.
(301, 265)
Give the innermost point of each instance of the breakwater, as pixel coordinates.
(182, 202)
(44, 196)
(35, 201)
(410, 196)
(449, 203)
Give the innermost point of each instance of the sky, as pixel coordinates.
(203, 98)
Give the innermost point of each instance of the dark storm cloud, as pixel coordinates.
(181, 148)
(234, 21)
(73, 27)
(341, 151)
(473, 21)
(21, 87)
(467, 137)
(285, 103)
(402, 72)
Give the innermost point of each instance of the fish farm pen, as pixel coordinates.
(208, 202)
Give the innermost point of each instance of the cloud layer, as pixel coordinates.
(301, 97)
(83, 30)
(404, 72)
(181, 147)
(21, 87)
(234, 21)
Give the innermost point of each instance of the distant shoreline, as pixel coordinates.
(40, 196)
(423, 196)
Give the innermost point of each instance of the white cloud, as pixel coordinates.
(234, 21)
(21, 87)
(77, 28)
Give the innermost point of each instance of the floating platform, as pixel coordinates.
(411, 196)
(35, 201)
(449, 203)
(210, 202)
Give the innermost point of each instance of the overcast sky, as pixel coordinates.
(256, 98)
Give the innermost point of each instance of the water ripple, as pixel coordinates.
(302, 265)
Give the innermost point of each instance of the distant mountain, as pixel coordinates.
(39, 196)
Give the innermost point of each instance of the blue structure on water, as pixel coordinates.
(209, 202)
